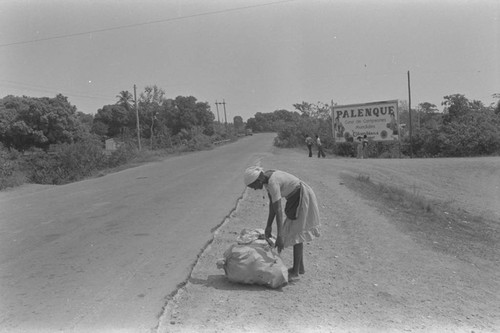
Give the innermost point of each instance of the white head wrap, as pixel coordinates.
(251, 174)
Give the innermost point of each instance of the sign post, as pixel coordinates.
(333, 123)
(379, 121)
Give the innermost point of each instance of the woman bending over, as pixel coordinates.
(298, 222)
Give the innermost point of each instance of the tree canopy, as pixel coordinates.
(37, 122)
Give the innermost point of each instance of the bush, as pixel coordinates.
(346, 149)
(79, 160)
(65, 163)
(293, 134)
(123, 154)
(194, 139)
(385, 149)
(41, 168)
(287, 137)
(199, 141)
(11, 174)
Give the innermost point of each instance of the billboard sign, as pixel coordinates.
(377, 120)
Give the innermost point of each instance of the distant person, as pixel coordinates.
(309, 143)
(338, 128)
(393, 125)
(365, 146)
(320, 147)
(298, 222)
(359, 147)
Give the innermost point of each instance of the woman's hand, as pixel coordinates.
(280, 243)
(268, 232)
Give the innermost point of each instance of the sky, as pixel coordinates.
(256, 55)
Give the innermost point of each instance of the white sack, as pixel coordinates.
(254, 263)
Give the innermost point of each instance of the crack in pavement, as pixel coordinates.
(170, 297)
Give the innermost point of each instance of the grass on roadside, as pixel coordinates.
(408, 199)
(435, 224)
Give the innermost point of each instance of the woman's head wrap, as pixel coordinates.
(251, 174)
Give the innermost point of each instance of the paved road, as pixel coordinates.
(104, 254)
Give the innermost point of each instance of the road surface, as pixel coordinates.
(378, 267)
(105, 254)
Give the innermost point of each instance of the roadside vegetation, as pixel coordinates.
(402, 197)
(48, 141)
(434, 224)
(464, 128)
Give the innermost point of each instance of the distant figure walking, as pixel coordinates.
(359, 148)
(309, 143)
(365, 146)
(320, 147)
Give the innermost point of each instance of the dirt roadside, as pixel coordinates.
(366, 273)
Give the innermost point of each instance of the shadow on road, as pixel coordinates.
(221, 282)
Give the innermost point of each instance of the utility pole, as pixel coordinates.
(137, 120)
(217, 107)
(225, 117)
(333, 121)
(153, 118)
(409, 114)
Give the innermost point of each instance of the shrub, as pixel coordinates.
(344, 149)
(199, 141)
(65, 163)
(123, 154)
(287, 137)
(11, 174)
(79, 160)
(41, 168)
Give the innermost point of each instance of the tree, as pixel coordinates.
(37, 122)
(115, 117)
(84, 125)
(318, 111)
(252, 124)
(304, 107)
(264, 122)
(428, 116)
(185, 112)
(274, 121)
(204, 117)
(238, 123)
(427, 107)
(99, 128)
(457, 106)
(152, 95)
(497, 107)
(150, 107)
(125, 99)
(467, 128)
(85, 119)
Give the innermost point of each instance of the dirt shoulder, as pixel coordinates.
(369, 272)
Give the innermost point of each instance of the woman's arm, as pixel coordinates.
(279, 224)
(270, 219)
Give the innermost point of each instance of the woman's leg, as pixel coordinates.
(298, 264)
(301, 267)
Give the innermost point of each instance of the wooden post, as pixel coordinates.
(409, 114)
(333, 122)
(225, 116)
(217, 107)
(137, 118)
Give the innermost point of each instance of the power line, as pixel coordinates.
(23, 86)
(146, 23)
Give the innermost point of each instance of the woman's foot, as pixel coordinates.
(293, 274)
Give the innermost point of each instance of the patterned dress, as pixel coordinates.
(304, 225)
